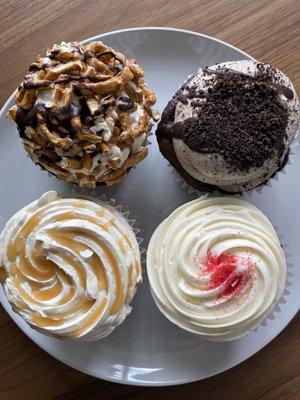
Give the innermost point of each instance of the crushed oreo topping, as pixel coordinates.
(263, 72)
(269, 84)
(242, 119)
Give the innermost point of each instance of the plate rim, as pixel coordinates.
(142, 28)
(15, 317)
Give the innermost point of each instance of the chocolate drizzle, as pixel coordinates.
(124, 103)
(29, 84)
(287, 92)
(88, 54)
(178, 130)
(165, 131)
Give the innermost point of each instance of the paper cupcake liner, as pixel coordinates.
(288, 283)
(187, 187)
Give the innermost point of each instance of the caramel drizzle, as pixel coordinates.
(47, 271)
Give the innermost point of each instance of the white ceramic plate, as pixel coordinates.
(147, 349)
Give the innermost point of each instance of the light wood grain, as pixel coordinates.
(268, 30)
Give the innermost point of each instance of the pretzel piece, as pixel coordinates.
(96, 47)
(52, 137)
(130, 162)
(84, 133)
(110, 86)
(27, 100)
(72, 66)
(135, 69)
(99, 66)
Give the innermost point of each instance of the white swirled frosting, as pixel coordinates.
(70, 267)
(216, 267)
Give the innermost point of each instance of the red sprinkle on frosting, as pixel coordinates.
(229, 270)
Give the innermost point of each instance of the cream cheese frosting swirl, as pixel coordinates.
(216, 267)
(70, 267)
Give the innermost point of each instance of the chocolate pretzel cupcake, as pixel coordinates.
(230, 127)
(83, 113)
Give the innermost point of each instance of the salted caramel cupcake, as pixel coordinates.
(229, 127)
(216, 267)
(83, 113)
(70, 267)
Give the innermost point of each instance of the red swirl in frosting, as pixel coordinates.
(227, 270)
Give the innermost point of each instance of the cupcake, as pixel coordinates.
(70, 267)
(230, 126)
(216, 267)
(83, 113)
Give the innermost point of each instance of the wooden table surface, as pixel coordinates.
(268, 30)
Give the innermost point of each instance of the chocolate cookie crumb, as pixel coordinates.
(242, 118)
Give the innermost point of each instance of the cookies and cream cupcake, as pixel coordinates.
(83, 113)
(70, 267)
(230, 126)
(216, 267)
